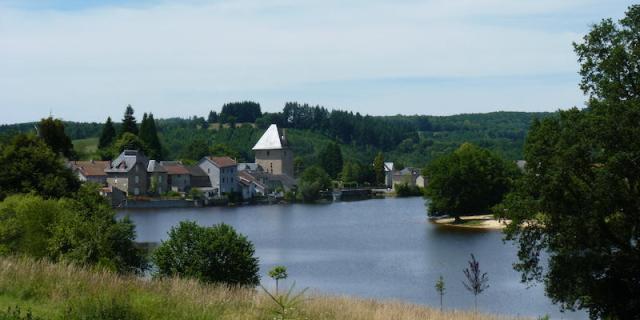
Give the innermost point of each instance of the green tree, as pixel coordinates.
(350, 173)
(468, 181)
(149, 135)
(196, 149)
(378, 168)
(278, 273)
(108, 134)
(440, 288)
(52, 132)
(223, 150)
(129, 123)
(312, 181)
(211, 254)
(129, 141)
(577, 202)
(81, 229)
(28, 165)
(331, 159)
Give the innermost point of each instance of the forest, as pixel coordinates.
(412, 140)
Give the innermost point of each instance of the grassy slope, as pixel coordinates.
(85, 148)
(63, 291)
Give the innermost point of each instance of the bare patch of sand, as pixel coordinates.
(486, 221)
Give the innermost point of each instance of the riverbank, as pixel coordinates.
(486, 221)
(54, 291)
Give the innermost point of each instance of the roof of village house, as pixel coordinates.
(222, 162)
(155, 166)
(90, 168)
(271, 140)
(250, 177)
(388, 166)
(127, 160)
(248, 166)
(196, 171)
(407, 171)
(174, 167)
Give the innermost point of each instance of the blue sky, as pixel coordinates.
(86, 60)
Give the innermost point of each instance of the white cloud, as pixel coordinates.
(187, 58)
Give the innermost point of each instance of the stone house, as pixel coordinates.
(158, 178)
(222, 172)
(128, 173)
(90, 171)
(407, 176)
(178, 176)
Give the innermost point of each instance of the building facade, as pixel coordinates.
(272, 153)
(222, 172)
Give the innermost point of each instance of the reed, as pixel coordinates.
(66, 291)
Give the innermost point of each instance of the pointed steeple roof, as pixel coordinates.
(270, 140)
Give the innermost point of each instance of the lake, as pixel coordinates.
(380, 248)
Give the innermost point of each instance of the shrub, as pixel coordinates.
(210, 254)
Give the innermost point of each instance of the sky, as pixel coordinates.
(84, 60)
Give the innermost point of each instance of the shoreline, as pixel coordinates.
(484, 221)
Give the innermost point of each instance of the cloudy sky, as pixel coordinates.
(84, 60)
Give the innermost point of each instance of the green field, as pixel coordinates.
(85, 148)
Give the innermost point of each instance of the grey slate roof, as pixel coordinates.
(127, 160)
(155, 166)
(248, 166)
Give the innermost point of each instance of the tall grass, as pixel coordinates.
(64, 291)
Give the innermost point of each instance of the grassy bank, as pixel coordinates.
(61, 291)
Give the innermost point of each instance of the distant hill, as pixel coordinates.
(411, 140)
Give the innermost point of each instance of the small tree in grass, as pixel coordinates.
(278, 273)
(440, 289)
(476, 280)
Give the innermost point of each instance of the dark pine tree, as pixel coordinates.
(149, 135)
(108, 134)
(129, 122)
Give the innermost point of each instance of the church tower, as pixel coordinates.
(273, 153)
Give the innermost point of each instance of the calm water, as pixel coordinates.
(376, 248)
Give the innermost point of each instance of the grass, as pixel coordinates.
(85, 148)
(63, 291)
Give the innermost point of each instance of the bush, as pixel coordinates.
(405, 190)
(210, 254)
(82, 229)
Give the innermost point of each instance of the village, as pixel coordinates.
(132, 180)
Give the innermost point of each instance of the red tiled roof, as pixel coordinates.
(176, 169)
(222, 162)
(90, 168)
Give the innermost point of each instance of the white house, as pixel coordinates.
(222, 172)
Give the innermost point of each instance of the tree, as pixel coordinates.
(196, 149)
(577, 202)
(331, 159)
(476, 281)
(278, 273)
(129, 141)
(52, 132)
(210, 254)
(28, 165)
(129, 122)
(223, 150)
(378, 168)
(149, 135)
(246, 111)
(440, 288)
(312, 181)
(468, 181)
(213, 117)
(81, 229)
(350, 173)
(108, 135)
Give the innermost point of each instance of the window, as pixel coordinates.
(136, 191)
(159, 178)
(137, 179)
(208, 170)
(267, 153)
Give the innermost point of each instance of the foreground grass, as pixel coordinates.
(62, 291)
